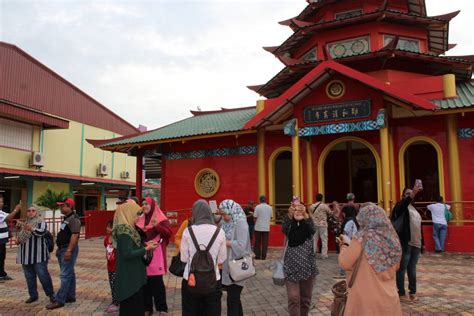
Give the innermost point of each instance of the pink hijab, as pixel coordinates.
(155, 212)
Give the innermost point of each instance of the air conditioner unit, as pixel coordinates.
(37, 159)
(103, 170)
(125, 174)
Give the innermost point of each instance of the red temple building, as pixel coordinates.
(366, 102)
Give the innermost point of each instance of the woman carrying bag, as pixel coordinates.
(299, 263)
(237, 235)
(33, 255)
(377, 248)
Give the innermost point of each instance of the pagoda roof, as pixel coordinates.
(386, 58)
(201, 123)
(276, 108)
(436, 26)
(465, 97)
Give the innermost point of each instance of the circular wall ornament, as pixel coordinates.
(335, 89)
(206, 182)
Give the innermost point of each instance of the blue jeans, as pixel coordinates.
(67, 290)
(39, 270)
(439, 235)
(408, 263)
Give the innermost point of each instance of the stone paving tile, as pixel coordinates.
(445, 287)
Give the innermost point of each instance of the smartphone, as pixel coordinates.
(419, 184)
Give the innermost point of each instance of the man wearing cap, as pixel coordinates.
(68, 249)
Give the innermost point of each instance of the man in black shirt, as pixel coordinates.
(68, 249)
(250, 219)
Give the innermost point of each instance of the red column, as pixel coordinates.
(139, 180)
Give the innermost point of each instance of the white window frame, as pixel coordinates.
(16, 135)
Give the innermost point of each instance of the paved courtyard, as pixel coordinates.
(446, 287)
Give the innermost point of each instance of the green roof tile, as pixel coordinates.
(200, 124)
(465, 91)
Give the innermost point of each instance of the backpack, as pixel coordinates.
(202, 274)
(49, 240)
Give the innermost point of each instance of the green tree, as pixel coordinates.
(50, 198)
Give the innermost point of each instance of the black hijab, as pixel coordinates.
(350, 213)
(202, 213)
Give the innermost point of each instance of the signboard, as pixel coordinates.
(337, 112)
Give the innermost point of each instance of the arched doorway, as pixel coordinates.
(283, 183)
(350, 165)
(421, 159)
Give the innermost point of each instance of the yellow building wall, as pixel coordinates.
(62, 153)
(39, 187)
(62, 149)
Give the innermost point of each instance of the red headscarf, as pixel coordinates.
(155, 212)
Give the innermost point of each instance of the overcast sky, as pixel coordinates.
(152, 61)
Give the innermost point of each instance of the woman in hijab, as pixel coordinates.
(203, 228)
(374, 291)
(31, 239)
(237, 236)
(350, 224)
(299, 262)
(156, 227)
(130, 270)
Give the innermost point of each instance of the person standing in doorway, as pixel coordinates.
(351, 202)
(5, 219)
(249, 210)
(321, 212)
(410, 233)
(440, 224)
(263, 214)
(68, 249)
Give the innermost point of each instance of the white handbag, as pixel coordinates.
(279, 274)
(242, 268)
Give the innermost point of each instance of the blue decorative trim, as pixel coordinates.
(338, 128)
(217, 152)
(466, 132)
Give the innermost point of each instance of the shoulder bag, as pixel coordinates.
(447, 213)
(340, 290)
(242, 268)
(279, 274)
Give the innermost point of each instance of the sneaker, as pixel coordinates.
(112, 308)
(6, 278)
(404, 299)
(413, 298)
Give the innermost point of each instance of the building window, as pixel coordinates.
(404, 43)
(351, 47)
(15, 134)
(310, 55)
(347, 14)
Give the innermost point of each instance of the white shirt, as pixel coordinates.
(350, 229)
(437, 213)
(203, 235)
(3, 227)
(263, 213)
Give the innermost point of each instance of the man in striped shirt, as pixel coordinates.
(5, 218)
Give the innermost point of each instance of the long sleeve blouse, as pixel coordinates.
(240, 247)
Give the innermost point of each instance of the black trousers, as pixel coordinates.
(3, 253)
(193, 305)
(155, 291)
(134, 305)
(234, 304)
(261, 244)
